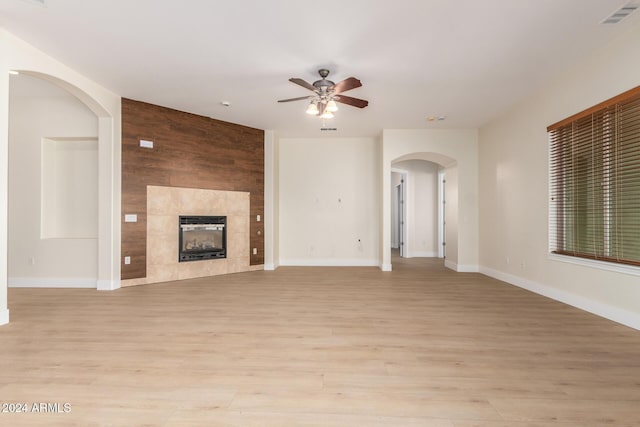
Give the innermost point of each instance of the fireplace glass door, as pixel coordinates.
(202, 237)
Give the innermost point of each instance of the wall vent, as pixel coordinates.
(621, 13)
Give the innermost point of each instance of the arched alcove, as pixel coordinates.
(101, 138)
(84, 97)
(18, 56)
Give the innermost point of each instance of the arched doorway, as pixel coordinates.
(424, 191)
(415, 213)
(70, 170)
(457, 151)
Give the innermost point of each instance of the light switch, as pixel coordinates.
(130, 218)
(144, 143)
(258, 218)
(255, 251)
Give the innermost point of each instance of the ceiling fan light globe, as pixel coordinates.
(312, 109)
(331, 106)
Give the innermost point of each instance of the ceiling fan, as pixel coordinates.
(327, 93)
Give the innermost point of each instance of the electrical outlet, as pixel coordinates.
(127, 260)
(258, 218)
(255, 251)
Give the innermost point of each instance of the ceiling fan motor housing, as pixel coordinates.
(323, 84)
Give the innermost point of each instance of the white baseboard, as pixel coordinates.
(49, 282)
(467, 268)
(330, 262)
(4, 316)
(417, 254)
(270, 267)
(108, 285)
(386, 267)
(607, 311)
(460, 268)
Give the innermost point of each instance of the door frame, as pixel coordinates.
(442, 204)
(402, 211)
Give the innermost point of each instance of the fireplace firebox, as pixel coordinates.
(202, 237)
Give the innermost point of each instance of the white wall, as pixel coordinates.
(451, 217)
(69, 187)
(422, 207)
(514, 188)
(33, 260)
(271, 200)
(18, 55)
(447, 148)
(4, 175)
(329, 204)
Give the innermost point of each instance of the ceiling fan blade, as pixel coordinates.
(296, 99)
(355, 102)
(347, 84)
(302, 83)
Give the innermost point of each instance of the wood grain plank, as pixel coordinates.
(302, 346)
(189, 151)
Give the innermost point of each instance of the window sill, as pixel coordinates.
(600, 265)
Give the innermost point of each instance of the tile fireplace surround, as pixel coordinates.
(165, 205)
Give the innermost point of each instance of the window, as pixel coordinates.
(594, 162)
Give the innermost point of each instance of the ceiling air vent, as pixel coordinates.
(621, 13)
(328, 129)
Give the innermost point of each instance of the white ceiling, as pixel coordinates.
(469, 60)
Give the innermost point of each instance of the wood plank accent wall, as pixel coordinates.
(189, 151)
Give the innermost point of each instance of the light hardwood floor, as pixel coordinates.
(419, 346)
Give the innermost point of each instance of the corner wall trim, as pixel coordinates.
(451, 265)
(108, 285)
(607, 311)
(461, 268)
(51, 282)
(4, 316)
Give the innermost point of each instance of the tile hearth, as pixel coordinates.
(165, 205)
